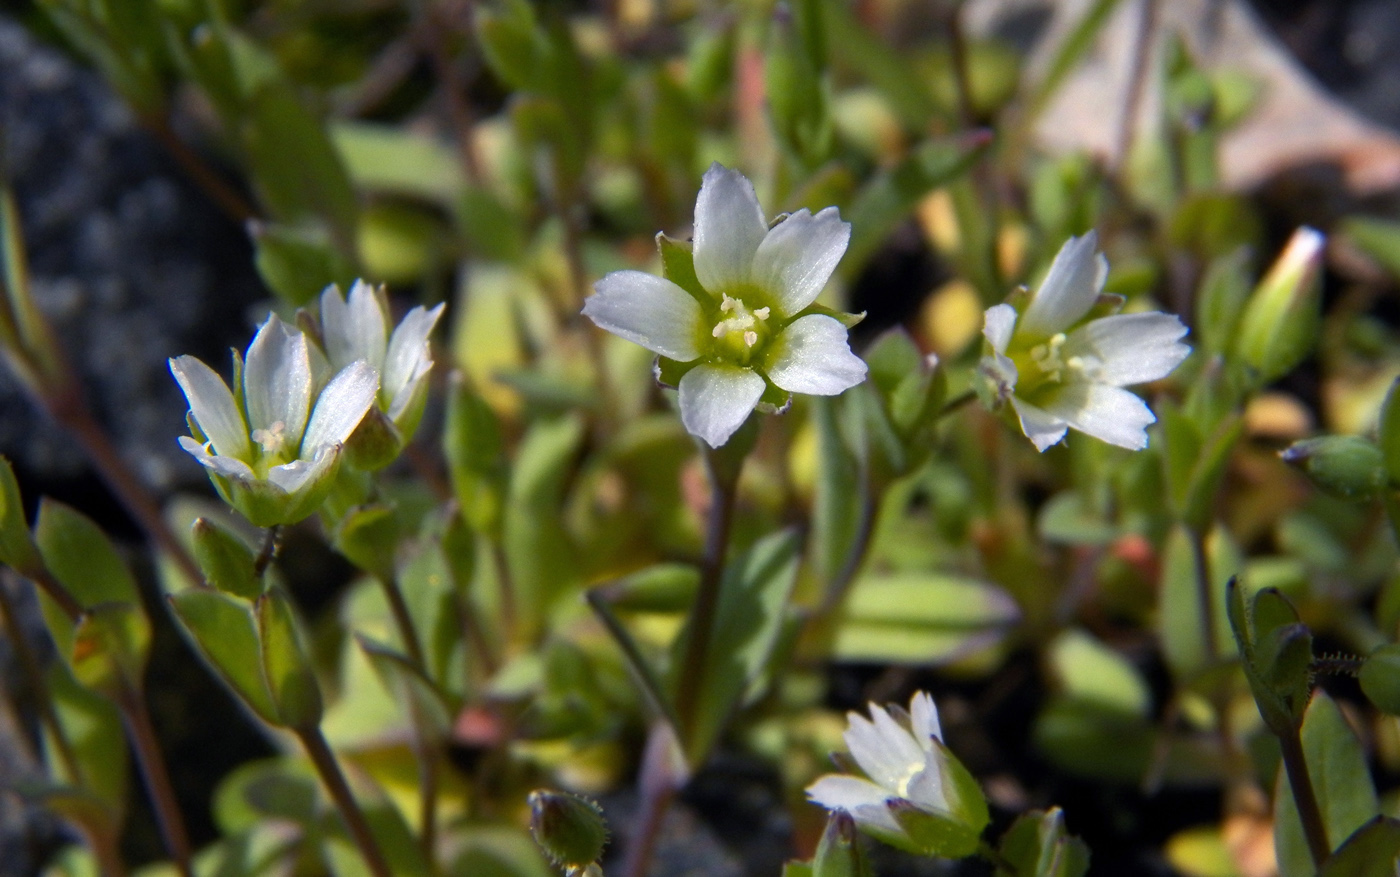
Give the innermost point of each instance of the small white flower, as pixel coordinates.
(1057, 375)
(357, 329)
(751, 329)
(901, 762)
(271, 451)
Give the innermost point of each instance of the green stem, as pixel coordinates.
(993, 855)
(652, 687)
(1314, 828)
(403, 620)
(319, 751)
(136, 715)
(1205, 594)
(724, 482)
(505, 585)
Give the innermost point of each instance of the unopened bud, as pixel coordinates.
(1346, 466)
(839, 853)
(570, 829)
(1280, 321)
(375, 443)
(226, 562)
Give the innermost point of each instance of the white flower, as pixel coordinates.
(272, 450)
(901, 762)
(750, 329)
(357, 329)
(1057, 375)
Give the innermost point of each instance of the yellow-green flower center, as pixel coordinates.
(1042, 365)
(739, 329)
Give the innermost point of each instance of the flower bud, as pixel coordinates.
(570, 829)
(1280, 321)
(839, 853)
(1346, 466)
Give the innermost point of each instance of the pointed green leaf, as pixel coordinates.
(1371, 851)
(222, 628)
(16, 547)
(225, 559)
(110, 645)
(290, 678)
(921, 618)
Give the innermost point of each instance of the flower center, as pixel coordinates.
(273, 439)
(1045, 364)
(740, 329)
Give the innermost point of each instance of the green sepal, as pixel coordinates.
(376, 442)
(1276, 653)
(225, 560)
(1036, 845)
(930, 834)
(368, 536)
(290, 678)
(839, 853)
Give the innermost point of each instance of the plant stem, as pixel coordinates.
(993, 855)
(1205, 596)
(136, 714)
(1304, 797)
(220, 192)
(505, 584)
(403, 620)
(428, 756)
(44, 581)
(659, 782)
(723, 490)
(319, 751)
(865, 529)
(34, 672)
(957, 42)
(272, 540)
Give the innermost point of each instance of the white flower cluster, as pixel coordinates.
(272, 444)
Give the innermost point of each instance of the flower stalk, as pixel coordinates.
(323, 759)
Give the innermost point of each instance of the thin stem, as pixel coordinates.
(957, 41)
(1314, 829)
(652, 687)
(473, 633)
(702, 616)
(34, 673)
(1137, 84)
(505, 584)
(403, 620)
(136, 715)
(1205, 596)
(44, 580)
(659, 783)
(841, 582)
(435, 32)
(955, 403)
(319, 751)
(272, 541)
(428, 757)
(219, 191)
(75, 416)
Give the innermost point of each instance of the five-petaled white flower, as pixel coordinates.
(272, 450)
(357, 329)
(1058, 375)
(901, 762)
(751, 327)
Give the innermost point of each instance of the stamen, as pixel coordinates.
(750, 338)
(272, 438)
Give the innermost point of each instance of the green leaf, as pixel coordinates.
(393, 160)
(1182, 619)
(1371, 851)
(225, 559)
(369, 537)
(290, 678)
(542, 557)
(1069, 53)
(1067, 519)
(281, 789)
(1220, 302)
(921, 618)
(222, 628)
(475, 454)
(1091, 672)
(1345, 466)
(110, 644)
(1378, 238)
(418, 698)
(1389, 432)
(92, 727)
(1340, 777)
(662, 587)
(81, 556)
(296, 263)
(1038, 846)
(888, 197)
(16, 547)
(1380, 678)
(748, 620)
(841, 495)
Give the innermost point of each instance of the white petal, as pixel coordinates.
(340, 409)
(1129, 348)
(1111, 414)
(997, 325)
(277, 380)
(844, 792)
(797, 257)
(1041, 427)
(213, 406)
(812, 356)
(353, 329)
(1069, 290)
(926, 788)
(297, 474)
(717, 399)
(880, 760)
(409, 357)
(226, 466)
(647, 310)
(729, 226)
(924, 714)
(899, 742)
